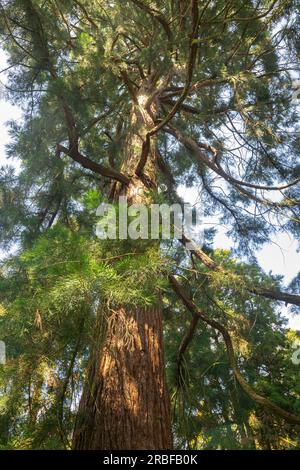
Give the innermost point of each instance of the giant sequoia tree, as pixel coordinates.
(132, 98)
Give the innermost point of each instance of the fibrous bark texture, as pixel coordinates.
(125, 403)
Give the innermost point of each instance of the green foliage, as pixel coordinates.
(50, 298)
(211, 411)
(80, 61)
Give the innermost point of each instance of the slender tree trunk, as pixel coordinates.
(125, 404)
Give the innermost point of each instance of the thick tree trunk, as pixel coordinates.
(125, 403)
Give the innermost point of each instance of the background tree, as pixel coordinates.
(120, 98)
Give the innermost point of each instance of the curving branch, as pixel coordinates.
(85, 162)
(190, 68)
(231, 179)
(276, 295)
(183, 347)
(73, 150)
(261, 400)
(293, 299)
(144, 156)
(197, 149)
(86, 14)
(155, 14)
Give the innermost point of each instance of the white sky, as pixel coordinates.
(279, 256)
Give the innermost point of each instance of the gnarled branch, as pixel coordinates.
(261, 400)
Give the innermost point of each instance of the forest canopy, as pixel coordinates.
(148, 344)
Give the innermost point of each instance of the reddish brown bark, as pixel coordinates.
(125, 404)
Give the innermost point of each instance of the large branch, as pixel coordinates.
(277, 295)
(85, 162)
(189, 69)
(211, 264)
(213, 164)
(73, 150)
(261, 400)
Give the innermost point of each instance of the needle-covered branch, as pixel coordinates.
(155, 14)
(261, 400)
(189, 69)
(214, 164)
(211, 264)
